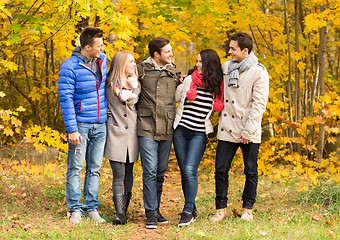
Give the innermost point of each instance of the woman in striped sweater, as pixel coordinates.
(200, 94)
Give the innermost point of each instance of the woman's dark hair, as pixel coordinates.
(212, 71)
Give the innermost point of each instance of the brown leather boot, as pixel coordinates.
(219, 215)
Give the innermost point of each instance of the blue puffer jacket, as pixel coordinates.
(81, 93)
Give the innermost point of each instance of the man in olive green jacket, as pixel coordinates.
(156, 111)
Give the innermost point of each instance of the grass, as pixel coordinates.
(37, 210)
(326, 193)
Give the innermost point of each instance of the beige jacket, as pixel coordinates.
(180, 95)
(244, 106)
(121, 127)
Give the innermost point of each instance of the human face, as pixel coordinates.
(199, 64)
(237, 55)
(96, 48)
(165, 57)
(130, 66)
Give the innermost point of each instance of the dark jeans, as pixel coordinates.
(224, 156)
(122, 177)
(189, 147)
(154, 156)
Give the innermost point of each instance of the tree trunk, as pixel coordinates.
(297, 99)
(322, 63)
(289, 87)
(47, 84)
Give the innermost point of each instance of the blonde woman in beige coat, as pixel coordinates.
(121, 147)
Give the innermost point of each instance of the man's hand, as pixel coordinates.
(74, 138)
(243, 140)
(109, 113)
(181, 79)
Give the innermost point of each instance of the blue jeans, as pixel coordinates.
(154, 156)
(91, 149)
(224, 156)
(189, 147)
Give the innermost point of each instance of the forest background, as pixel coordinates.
(297, 41)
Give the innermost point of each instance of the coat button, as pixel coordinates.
(126, 127)
(225, 115)
(125, 115)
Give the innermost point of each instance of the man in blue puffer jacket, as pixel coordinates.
(84, 107)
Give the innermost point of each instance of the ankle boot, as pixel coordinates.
(219, 215)
(120, 203)
(128, 197)
(247, 214)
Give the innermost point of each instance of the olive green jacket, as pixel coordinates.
(156, 105)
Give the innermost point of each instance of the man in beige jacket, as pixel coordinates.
(246, 88)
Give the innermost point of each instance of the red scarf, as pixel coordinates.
(197, 80)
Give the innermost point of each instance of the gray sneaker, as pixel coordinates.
(75, 217)
(94, 215)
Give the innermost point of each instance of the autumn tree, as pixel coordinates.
(297, 41)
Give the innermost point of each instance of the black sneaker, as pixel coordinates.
(151, 220)
(161, 219)
(186, 219)
(194, 214)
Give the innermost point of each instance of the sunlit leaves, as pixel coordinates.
(34, 94)
(29, 27)
(8, 65)
(45, 137)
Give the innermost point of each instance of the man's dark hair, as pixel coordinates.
(243, 40)
(88, 35)
(156, 45)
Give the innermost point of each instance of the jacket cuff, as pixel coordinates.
(71, 129)
(248, 135)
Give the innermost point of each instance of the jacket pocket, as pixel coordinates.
(112, 121)
(144, 119)
(172, 84)
(78, 106)
(170, 120)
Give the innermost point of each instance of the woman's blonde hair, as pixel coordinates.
(117, 68)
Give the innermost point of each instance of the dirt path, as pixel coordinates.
(171, 204)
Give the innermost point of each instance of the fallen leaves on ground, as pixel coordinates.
(316, 217)
(237, 212)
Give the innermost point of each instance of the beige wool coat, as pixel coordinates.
(244, 106)
(121, 126)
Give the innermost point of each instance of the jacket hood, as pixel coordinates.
(77, 52)
(152, 62)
